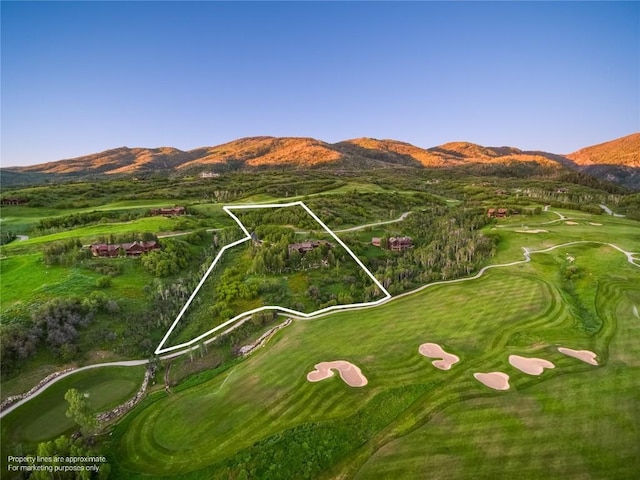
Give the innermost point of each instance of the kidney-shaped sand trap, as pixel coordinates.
(495, 380)
(433, 350)
(539, 230)
(584, 355)
(532, 366)
(351, 374)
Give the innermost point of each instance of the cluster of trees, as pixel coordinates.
(447, 244)
(6, 237)
(355, 208)
(630, 206)
(54, 326)
(66, 253)
(272, 255)
(61, 448)
(126, 237)
(173, 257)
(49, 224)
(295, 216)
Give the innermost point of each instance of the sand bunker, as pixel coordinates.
(533, 231)
(433, 350)
(572, 223)
(531, 366)
(495, 380)
(596, 224)
(584, 355)
(351, 374)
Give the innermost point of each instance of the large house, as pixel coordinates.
(130, 249)
(168, 211)
(14, 201)
(307, 246)
(399, 244)
(497, 213)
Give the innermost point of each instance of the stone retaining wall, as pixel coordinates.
(125, 407)
(16, 398)
(247, 349)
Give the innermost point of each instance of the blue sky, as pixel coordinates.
(82, 77)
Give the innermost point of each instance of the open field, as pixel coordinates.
(91, 233)
(43, 418)
(21, 218)
(267, 399)
(620, 231)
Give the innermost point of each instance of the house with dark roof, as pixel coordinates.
(306, 246)
(14, 201)
(168, 211)
(130, 249)
(399, 244)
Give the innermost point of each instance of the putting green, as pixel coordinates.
(43, 417)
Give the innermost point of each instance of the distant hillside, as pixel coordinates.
(621, 152)
(618, 160)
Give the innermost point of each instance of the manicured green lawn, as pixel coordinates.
(521, 310)
(92, 232)
(43, 417)
(620, 231)
(21, 218)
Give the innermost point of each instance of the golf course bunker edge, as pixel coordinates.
(495, 380)
(444, 360)
(584, 355)
(530, 365)
(350, 374)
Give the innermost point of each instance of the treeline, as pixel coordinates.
(55, 326)
(84, 218)
(630, 206)
(66, 253)
(294, 216)
(7, 237)
(447, 244)
(355, 208)
(169, 260)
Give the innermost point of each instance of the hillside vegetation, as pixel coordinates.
(617, 160)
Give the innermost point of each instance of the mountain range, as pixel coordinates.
(617, 160)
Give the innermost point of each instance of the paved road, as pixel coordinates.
(609, 211)
(180, 234)
(362, 227)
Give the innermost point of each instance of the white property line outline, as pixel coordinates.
(228, 209)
